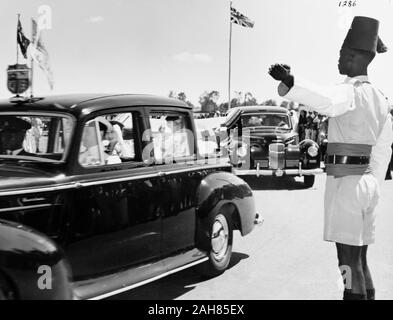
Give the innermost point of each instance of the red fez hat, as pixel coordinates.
(363, 35)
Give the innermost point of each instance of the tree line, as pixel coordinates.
(208, 101)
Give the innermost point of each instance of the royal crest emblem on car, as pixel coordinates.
(18, 80)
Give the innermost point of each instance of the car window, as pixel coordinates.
(108, 139)
(39, 136)
(266, 120)
(172, 136)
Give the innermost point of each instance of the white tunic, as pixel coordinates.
(358, 114)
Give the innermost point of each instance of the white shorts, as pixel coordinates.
(349, 209)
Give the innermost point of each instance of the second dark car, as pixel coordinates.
(263, 141)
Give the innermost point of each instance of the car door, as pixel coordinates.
(174, 154)
(116, 220)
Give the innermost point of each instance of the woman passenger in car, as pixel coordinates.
(113, 140)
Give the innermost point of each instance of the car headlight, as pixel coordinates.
(312, 151)
(242, 151)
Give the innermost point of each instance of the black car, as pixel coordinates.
(102, 193)
(263, 141)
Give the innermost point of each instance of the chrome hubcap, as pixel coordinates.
(220, 237)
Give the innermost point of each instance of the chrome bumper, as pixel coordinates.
(277, 172)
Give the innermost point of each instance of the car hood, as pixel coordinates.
(13, 177)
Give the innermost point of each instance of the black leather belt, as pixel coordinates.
(337, 159)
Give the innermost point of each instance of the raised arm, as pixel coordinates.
(328, 100)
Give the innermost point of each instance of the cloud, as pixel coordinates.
(192, 57)
(95, 19)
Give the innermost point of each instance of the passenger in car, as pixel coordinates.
(129, 145)
(114, 143)
(96, 149)
(12, 135)
(33, 135)
(254, 121)
(179, 146)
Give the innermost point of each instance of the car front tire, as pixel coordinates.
(221, 230)
(309, 181)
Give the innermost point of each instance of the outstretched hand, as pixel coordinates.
(280, 72)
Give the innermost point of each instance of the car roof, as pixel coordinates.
(79, 104)
(249, 109)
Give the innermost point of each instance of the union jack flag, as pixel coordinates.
(238, 18)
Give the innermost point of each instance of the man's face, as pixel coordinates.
(345, 61)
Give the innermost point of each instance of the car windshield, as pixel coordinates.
(268, 120)
(35, 137)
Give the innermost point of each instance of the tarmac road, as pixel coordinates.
(285, 258)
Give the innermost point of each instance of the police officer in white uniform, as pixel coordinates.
(358, 153)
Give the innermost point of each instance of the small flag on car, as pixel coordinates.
(240, 19)
(22, 40)
(40, 54)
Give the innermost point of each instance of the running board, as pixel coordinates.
(110, 285)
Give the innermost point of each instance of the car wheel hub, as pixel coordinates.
(219, 239)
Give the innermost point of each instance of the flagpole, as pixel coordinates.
(31, 77)
(17, 36)
(32, 61)
(230, 56)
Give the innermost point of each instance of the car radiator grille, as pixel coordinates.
(292, 163)
(262, 163)
(277, 156)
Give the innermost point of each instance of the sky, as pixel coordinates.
(154, 46)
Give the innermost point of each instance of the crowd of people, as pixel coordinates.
(312, 125)
(206, 115)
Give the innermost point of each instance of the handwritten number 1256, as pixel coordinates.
(347, 4)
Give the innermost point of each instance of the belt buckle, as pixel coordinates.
(333, 160)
